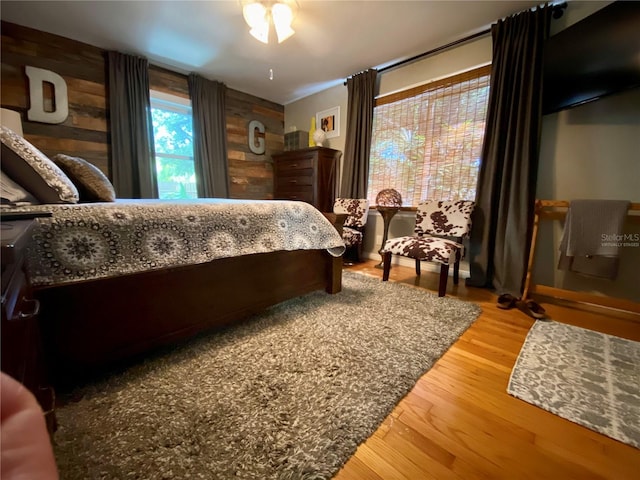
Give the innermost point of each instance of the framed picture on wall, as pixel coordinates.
(329, 121)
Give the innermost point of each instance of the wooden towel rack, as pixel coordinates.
(549, 209)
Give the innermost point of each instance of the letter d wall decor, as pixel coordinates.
(36, 112)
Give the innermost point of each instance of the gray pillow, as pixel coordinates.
(33, 171)
(92, 184)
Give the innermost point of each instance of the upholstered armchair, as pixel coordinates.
(438, 234)
(357, 210)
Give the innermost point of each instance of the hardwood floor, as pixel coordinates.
(459, 422)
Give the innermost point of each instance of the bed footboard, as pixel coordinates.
(93, 324)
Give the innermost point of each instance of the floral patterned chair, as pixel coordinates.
(357, 210)
(438, 235)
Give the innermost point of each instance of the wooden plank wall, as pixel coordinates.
(85, 133)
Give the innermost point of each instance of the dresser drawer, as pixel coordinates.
(294, 181)
(18, 325)
(21, 349)
(295, 166)
(304, 195)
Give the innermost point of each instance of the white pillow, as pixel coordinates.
(12, 192)
(32, 170)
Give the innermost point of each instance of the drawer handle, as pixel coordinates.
(51, 406)
(293, 181)
(294, 164)
(34, 310)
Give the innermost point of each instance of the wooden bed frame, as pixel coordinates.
(90, 325)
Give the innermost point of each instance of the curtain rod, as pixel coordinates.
(431, 52)
(557, 12)
(436, 50)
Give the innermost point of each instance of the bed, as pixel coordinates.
(117, 278)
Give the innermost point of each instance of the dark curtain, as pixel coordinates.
(355, 170)
(132, 151)
(209, 136)
(500, 238)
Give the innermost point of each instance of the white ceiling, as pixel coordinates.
(334, 39)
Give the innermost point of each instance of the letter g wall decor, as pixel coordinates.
(256, 137)
(37, 113)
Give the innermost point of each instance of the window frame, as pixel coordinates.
(177, 104)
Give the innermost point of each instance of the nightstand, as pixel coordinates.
(336, 219)
(22, 353)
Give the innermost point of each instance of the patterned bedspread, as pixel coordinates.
(98, 240)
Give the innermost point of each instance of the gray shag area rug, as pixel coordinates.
(587, 377)
(287, 394)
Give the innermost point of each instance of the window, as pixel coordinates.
(173, 140)
(427, 140)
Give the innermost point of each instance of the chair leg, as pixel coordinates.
(386, 265)
(417, 267)
(456, 268)
(444, 275)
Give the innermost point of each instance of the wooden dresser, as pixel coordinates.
(309, 175)
(22, 353)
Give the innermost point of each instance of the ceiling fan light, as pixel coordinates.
(282, 17)
(282, 13)
(261, 32)
(283, 32)
(255, 14)
(259, 15)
